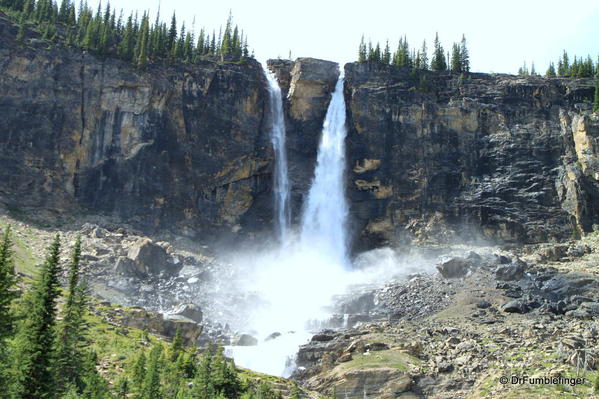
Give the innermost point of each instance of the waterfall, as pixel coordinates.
(296, 283)
(277, 137)
(324, 220)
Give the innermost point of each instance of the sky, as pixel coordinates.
(501, 36)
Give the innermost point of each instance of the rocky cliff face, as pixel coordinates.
(176, 147)
(438, 156)
(183, 148)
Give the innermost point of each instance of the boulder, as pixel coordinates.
(128, 267)
(150, 257)
(483, 304)
(156, 323)
(322, 337)
(376, 346)
(511, 272)
(455, 267)
(516, 306)
(190, 311)
(245, 340)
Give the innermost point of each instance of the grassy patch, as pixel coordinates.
(381, 359)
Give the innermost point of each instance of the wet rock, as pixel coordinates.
(245, 340)
(272, 336)
(455, 267)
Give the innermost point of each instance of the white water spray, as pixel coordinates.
(277, 137)
(297, 282)
(325, 214)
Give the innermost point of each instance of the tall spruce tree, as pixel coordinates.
(7, 282)
(151, 388)
(362, 51)
(438, 62)
(464, 55)
(70, 336)
(35, 340)
(550, 71)
(455, 58)
(423, 56)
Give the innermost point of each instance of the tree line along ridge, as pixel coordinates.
(132, 39)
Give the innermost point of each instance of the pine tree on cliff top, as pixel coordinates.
(438, 62)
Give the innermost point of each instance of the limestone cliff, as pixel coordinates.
(437, 156)
(179, 147)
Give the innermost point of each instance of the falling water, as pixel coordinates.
(277, 137)
(325, 214)
(296, 283)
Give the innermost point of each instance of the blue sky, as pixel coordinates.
(501, 35)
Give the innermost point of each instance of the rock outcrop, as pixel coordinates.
(169, 147)
(438, 156)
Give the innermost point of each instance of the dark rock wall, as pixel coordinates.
(179, 147)
(437, 157)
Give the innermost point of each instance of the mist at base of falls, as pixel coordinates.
(286, 293)
(289, 291)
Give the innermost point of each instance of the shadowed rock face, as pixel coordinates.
(439, 156)
(182, 148)
(178, 147)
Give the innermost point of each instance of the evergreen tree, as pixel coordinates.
(126, 46)
(35, 340)
(71, 329)
(376, 56)
(95, 387)
(177, 346)
(456, 65)
(362, 51)
(139, 371)
(550, 71)
(533, 71)
(438, 61)
(151, 384)
(172, 33)
(464, 55)
(141, 50)
(596, 101)
(423, 56)
(386, 57)
(7, 282)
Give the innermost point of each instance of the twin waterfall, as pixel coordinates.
(323, 227)
(294, 280)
